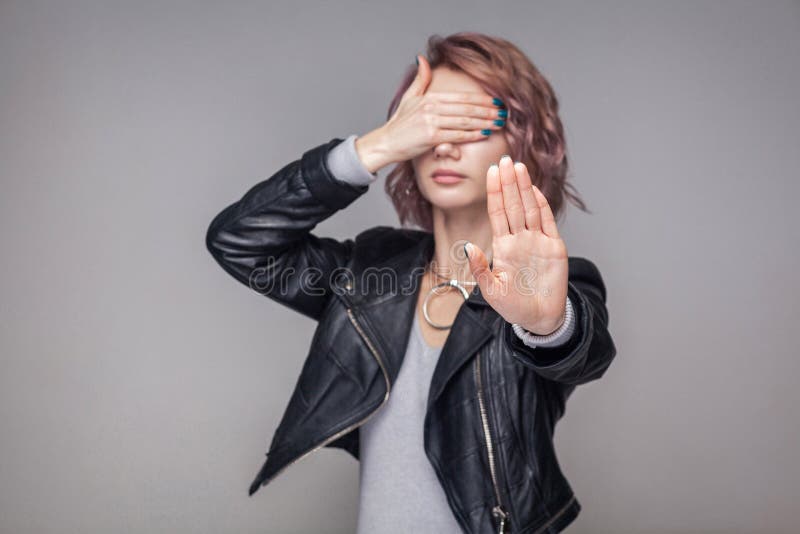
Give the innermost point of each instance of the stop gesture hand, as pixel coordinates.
(527, 284)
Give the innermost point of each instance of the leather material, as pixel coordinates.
(361, 337)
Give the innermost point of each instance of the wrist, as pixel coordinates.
(538, 330)
(530, 338)
(371, 150)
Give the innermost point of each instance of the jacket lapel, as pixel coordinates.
(468, 333)
(386, 312)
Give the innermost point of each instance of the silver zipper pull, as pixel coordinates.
(498, 512)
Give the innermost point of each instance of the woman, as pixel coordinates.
(444, 379)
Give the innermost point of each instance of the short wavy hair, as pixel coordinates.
(536, 135)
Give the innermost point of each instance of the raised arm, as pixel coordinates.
(264, 239)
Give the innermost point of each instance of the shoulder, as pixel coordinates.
(383, 242)
(584, 270)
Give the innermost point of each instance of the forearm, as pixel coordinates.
(267, 232)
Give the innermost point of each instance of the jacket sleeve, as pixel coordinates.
(264, 239)
(560, 336)
(588, 352)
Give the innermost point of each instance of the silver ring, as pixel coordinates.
(449, 283)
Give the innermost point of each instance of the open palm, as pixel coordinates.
(527, 284)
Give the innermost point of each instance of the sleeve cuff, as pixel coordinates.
(558, 337)
(345, 165)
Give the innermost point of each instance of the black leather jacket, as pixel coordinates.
(493, 401)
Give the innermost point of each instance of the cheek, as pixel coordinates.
(499, 146)
(422, 187)
(482, 188)
(490, 152)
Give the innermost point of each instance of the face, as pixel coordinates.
(472, 159)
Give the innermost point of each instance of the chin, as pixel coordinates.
(452, 200)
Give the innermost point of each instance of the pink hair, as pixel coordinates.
(535, 132)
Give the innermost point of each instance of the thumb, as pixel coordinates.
(422, 79)
(479, 266)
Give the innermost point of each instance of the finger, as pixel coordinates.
(481, 99)
(468, 123)
(477, 110)
(549, 226)
(460, 136)
(494, 202)
(479, 266)
(515, 213)
(421, 80)
(529, 201)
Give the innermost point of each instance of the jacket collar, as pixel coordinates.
(386, 314)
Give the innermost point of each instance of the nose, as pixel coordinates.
(445, 149)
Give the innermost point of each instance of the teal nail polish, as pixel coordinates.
(503, 113)
(417, 60)
(505, 156)
(497, 102)
(486, 132)
(500, 122)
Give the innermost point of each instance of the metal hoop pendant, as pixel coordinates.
(449, 283)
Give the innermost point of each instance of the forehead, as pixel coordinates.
(445, 79)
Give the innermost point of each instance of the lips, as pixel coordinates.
(447, 173)
(447, 176)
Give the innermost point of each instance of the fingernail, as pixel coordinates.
(502, 113)
(505, 156)
(416, 58)
(497, 102)
(486, 132)
(466, 249)
(493, 165)
(499, 122)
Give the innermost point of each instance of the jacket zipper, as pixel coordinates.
(498, 511)
(354, 425)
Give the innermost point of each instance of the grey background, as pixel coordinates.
(140, 384)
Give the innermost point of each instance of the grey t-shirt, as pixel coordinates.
(399, 489)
